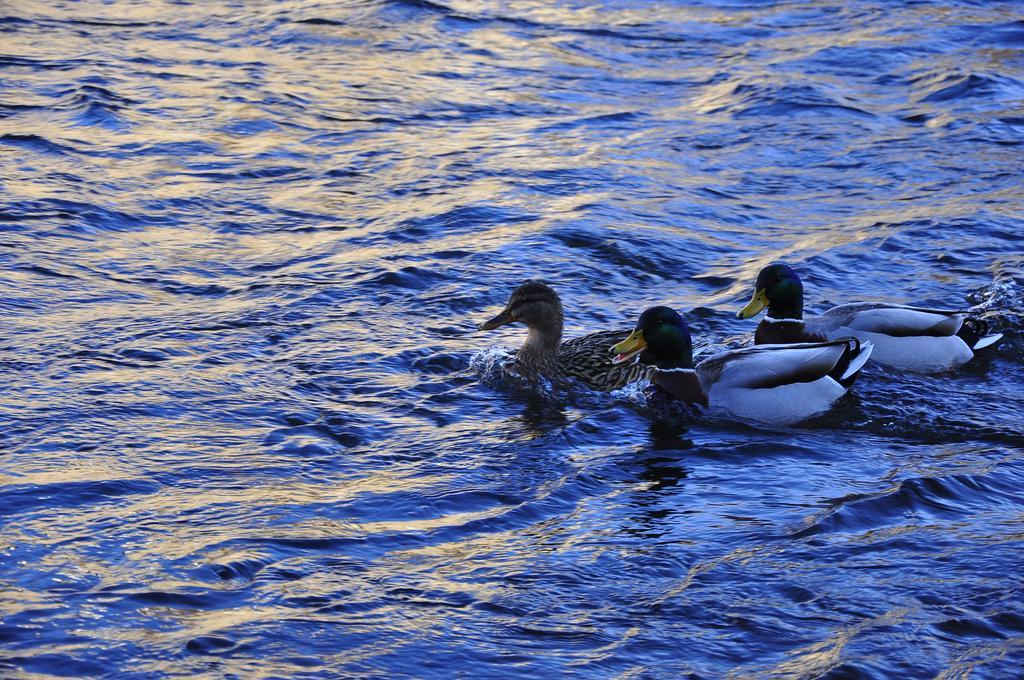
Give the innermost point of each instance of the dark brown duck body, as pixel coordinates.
(543, 354)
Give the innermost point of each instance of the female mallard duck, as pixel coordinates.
(908, 338)
(776, 384)
(535, 304)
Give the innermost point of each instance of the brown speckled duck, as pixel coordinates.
(586, 358)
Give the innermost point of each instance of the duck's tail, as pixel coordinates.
(848, 367)
(974, 332)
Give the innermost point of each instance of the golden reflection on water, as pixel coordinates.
(354, 92)
(822, 657)
(338, 107)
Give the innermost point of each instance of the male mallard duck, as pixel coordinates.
(908, 338)
(776, 384)
(535, 304)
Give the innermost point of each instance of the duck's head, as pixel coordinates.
(779, 289)
(662, 336)
(533, 303)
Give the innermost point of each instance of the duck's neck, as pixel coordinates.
(668, 348)
(790, 308)
(540, 351)
(779, 332)
(674, 372)
(681, 361)
(786, 313)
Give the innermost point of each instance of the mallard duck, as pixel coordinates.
(907, 338)
(536, 304)
(776, 384)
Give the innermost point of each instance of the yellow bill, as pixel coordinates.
(630, 347)
(756, 304)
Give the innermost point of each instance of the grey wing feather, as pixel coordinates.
(764, 366)
(889, 319)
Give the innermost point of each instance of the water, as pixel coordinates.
(248, 429)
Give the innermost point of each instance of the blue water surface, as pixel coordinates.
(248, 428)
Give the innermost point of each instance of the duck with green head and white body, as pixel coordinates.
(908, 338)
(775, 384)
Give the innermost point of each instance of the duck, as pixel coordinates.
(773, 384)
(543, 354)
(914, 339)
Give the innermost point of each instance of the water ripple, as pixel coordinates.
(250, 429)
